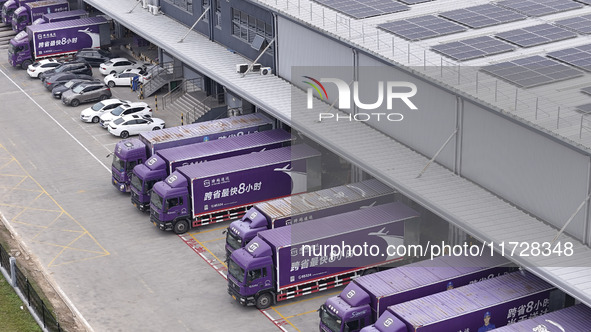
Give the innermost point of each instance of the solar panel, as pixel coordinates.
(414, 2)
(364, 8)
(532, 71)
(422, 27)
(586, 108)
(579, 56)
(536, 35)
(539, 7)
(586, 90)
(473, 48)
(482, 16)
(580, 24)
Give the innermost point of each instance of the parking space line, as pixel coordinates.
(301, 314)
(307, 299)
(219, 238)
(207, 231)
(202, 251)
(285, 319)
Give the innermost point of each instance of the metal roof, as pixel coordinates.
(456, 199)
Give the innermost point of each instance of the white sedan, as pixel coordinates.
(93, 113)
(134, 125)
(138, 108)
(124, 78)
(118, 65)
(41, 66)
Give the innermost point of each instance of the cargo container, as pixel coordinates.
(64, 16)
(28, 12)
(304, 207)
(57, 39)
(478, 307)
(300, 259)
(571, 319)
(134, 151)
(166, 161)
(224, 189)
(367, 297)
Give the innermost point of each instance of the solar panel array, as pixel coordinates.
(586, 108)
(580, 24)
(422, 27)
(364, 8)
(539, 7)
(482, 16)
(473, 48)
(536, 35)
(579, 56)
(586, 90)
(532, 71)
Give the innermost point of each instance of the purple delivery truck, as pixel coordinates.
(166, 161)
(571, 319)
(478, 307)
(304, 258)
(57, 39)
(28, 12)
(134, 151)
(9, 7)
(367, 297)
(304, 207)
(224, 189)
(61, 16)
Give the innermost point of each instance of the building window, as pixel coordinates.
(218, 14)
(186, 5)
(204, 5)
(246, 27)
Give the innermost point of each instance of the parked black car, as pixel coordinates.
(56, 79)
(60, 88)
(94, 56)
(76, 67)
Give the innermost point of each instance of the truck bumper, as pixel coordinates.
(162, 225)
(245, 301)
(122, 187)
(144, 207)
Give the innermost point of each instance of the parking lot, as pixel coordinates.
(120, 272)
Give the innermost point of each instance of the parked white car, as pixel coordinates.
(41, 66)
(118, 65)
(93, 113)
(124, 78)
(138, 108)
(134, 125)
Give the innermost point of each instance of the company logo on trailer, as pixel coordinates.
(171, 179)
(344, 99)
(151, 161)
(253, 247)
(388, 322)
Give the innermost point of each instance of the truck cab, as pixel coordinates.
(7, 10)
(242, 231)
(346, 314)
(387, 322)
(128, 154)
(143, 179)
(169, 204)
(250, 274)
(20, 19)
(19, 50)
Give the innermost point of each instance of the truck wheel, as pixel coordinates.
(96, 119)
(181, 227)
(111, 84)
(264, 301)
(124, 134)
(26, 64)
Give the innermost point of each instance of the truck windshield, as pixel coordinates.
(235, 270)
(156, 200)
(136, 182)
(234, 241)
(118, 163)
(330, 320)
(11, 49)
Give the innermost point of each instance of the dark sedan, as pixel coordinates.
(56, 79)
(60, 88)
(76, 67)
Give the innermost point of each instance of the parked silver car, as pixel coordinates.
(86, 92)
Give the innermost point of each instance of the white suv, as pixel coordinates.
(139, 108)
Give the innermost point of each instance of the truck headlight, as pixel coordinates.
(121, 187)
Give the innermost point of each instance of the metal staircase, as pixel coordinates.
(161, 76)
(184, 103)
(6, 34)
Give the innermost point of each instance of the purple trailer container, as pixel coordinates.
(28, 12)
(166, 161)
(478, 307)
(134, 151)
(367, 297)
(304, 207)
(572, 319)
(64, 16)
(57, 39)
(286, 268)
(224, 189)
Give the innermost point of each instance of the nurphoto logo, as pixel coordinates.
(391, 93)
